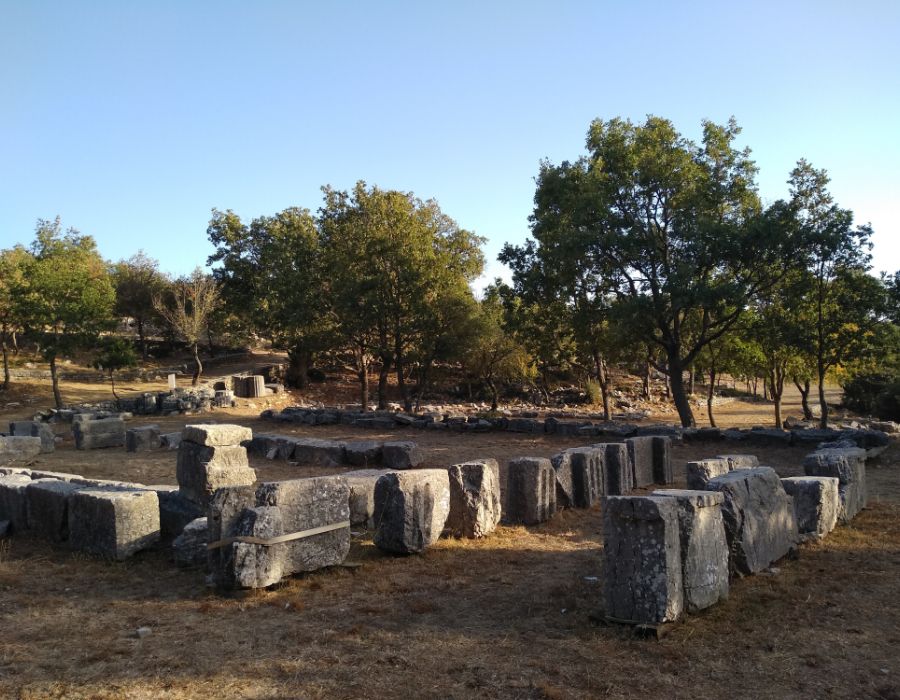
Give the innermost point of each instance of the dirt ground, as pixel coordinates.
(511, 616)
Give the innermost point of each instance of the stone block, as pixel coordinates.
(17, 448)
(817, 504)
(401, 455)
(617, 469)
(562, 464)
(142, 439)
(175, 510)
(189, 548)
(362, 495)
(759, 518)
(702, 471)
(363, 453)
(13, 506)
(113, 523)
(411, 509)
(531, 490)
(848, 466)
(262, 444)
(170, 441)
(47, 506)
(587, 475)
(223, 514)
(740, 461)
(319, 453)
(216, 435)
(99, 434)
(704, 547)
(33, 428)
(642, 573)
(640, 451)
(474, 499)
(203, 469)
(662, 460)
(59, 476)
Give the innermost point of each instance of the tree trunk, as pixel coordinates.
(15, 343)
(112, 382)
(646, 381)
(362, 364)
(823, 405)
(777, 392)
(209, 342)
(298, 368)
(603, 381)
(401, 380)
(142, 337)
(679, 396)
(804, 397)
(6, 377)
(710, 394)
(198, 370)
(383, 374)
(495, 399)
(54, 380)
(693, 377)
(424, 374)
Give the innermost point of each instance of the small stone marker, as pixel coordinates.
(189, 548)
(173, 383)
(411, 509)
(642, 573)
(474, 499)
(531, 490)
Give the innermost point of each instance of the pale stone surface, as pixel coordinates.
(474, 499)
(848, 466)
(363, 453)
(98, 434)
(142, 439)
(47, 505)
(12, 501)
(531, 490)
(740, 461)
(618, 475)
(189, 548)
(14, 448)
(33, 428)
(817, 503)
(318, 453)
(700, 472)
(113, 523)
(59, 476)
(215, 435)
(759, 518)
(362, 495)
(411, 509)
(203, 469)
(704, 547)
(642, 572)
(224, 512)
(401, 454)
(562, 464)
(640, 451)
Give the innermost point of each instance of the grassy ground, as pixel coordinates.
(507, 617)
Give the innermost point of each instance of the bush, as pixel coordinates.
(874, 394)
(592, 389)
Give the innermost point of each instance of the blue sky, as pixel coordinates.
(132, 120)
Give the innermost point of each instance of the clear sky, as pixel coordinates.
(131, 120)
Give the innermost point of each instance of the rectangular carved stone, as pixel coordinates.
(33, 428)
(99, 434)
(816, 503)
(411, 509)
(662, 460)
(642, 574)
(320, 453)
(216, 434)
(15, 448)
(142, 439)
(562, 464)
(12, 500)
(113, 523)
(700, 472)
(175, 511)
(47, 505)
(759, 518)
(848, 466)
(640, 451)
(740, 461)
(704, 548)
(223, 513)
(474, 499)
(201, 470)
(362, 495)
(401, 454)
(531, 490)
(363, 453)
(587, 475)
(618, 476)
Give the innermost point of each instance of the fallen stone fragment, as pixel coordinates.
(362, 495)
(740, 461)
(98, 434)
(142, 439)
(848, 466)
(411, 509)
(642, 572)
(816, 504)
(474, 500)
(37, 429)
(531, 490)
(18, 448)
(363, 453)
(113, 523)
(401, 455)
(699, 473)
(175, 510)
(189, 548)
(319, 453)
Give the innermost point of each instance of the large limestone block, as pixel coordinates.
(411, 509)
(663, 472)
(702, 471)
(47, 505)
(362, 495)
(15, 448)
(640, 450)
(848, 466)
(474, 499)
(587, 476)
(142, 439)
(401, 454)
(759, 518)
(530, 491)
(99, 434)
(704, 547)
(13, 506)
(319, 453)
(189, 548)
(642, 574)
(817, 503)
(562, 464)
(33, 428)
(618, 475)
(175, 510)
(363, 453)
(202, 469)
(223, 514)
(113, 523)
(740, 461)
(216, 435)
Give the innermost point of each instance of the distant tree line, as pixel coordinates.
(650, 252)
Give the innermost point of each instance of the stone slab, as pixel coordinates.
(817, 504)
(530, 491)
(47, 506)
(216, 435)
(401, 454)
(475, 507)
(362, 495)
(113, 523)
(411, 509)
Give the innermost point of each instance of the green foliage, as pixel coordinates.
(874, 395)
(592, 389)
(137, 282)
(14, 264)
(115, 354)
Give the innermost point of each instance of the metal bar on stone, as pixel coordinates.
(269, 541)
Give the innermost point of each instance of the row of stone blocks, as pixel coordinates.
(398, 454)
(673, 551)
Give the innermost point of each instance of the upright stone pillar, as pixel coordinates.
(531, 490)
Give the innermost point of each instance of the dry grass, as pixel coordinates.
(506, 617)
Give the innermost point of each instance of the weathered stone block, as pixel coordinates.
(562, 464)
(759, 518)
(15, 448)
(33, 428)
(223, 514)
(203, 469)
(704, 547)
(170, 441)
(411, 509)
(175, 510)
(401, 455)
(12, 501)
(142, 439)
(47, 505)
(617, 470)
(474, 499)
(662, 460)
(642, 574)
(99, 434)
(113, 523)
(320, 453)
(587, 475)
(740, 461)
(362, 495)
(216, 435)
(531, 490)
(363, 453)
(848, 466)
(189, 548)
(701, 472)
(640, 451)
(817, 503)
